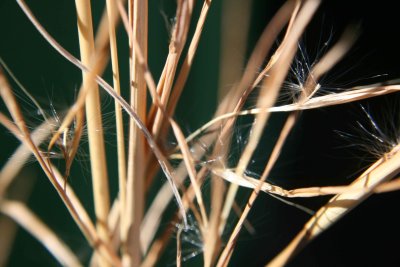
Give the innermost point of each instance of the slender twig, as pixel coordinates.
(178, 248)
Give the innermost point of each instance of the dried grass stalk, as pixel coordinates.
(382, 170)
(94, 123)
(112, 12)
(20, 130)
(127, 235)
(30, 222)
(138, 26)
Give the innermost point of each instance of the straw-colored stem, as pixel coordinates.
(186, 66)
(112, 12)
(102, 39)
(75, 208)
(349, 95)
(30, 222)
(94, 123)
(388, 186)
(20, 130)
(142, 64)
(227, 253)
(164, 195)
(180, 80)
(178, 248)
(114, 226)
(382, 170)
(287, 13)
(267, 98)
(189, 162)
(178, 40)
(138, 16)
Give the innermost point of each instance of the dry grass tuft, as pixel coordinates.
(201, 182)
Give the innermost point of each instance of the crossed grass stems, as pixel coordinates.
(124, 233)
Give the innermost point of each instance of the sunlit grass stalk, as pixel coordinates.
(135, 195)
(178, 39)
(157, 207)
(382, 170)
(94, 123)
(102, 41)
(111, 13)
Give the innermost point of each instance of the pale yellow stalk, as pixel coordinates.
(138, 16)
(178, 40)
(94, 123)
(112, 12)
(382, 170)
(348, 96)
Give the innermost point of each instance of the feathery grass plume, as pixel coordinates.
(142, 191)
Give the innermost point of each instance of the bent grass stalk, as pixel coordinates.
(127, 234)
(20, 130)
(27, 219)
(374, 177)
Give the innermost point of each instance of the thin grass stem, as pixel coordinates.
(94, 124)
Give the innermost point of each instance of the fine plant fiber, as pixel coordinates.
(159, 195)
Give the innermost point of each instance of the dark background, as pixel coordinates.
(314, 153)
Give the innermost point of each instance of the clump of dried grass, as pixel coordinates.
(125, 233)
